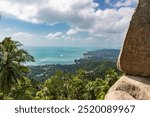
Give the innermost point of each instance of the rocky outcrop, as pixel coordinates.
(130, 88)
(134, 59)
(135, 56)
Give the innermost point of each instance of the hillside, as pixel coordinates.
(106, 54)
(88, 79)
(98, 61)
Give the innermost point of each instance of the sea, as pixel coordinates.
(56, 55)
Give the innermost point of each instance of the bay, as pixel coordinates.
(56, 55)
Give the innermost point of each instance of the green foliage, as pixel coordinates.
(77, 87)
(91, 81)
(23, 91)
(63, 86)
(1, 95)
(11, 69)
(55, 85)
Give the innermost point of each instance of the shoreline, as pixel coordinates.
(91, 60)
(85, 56)
(49, 65)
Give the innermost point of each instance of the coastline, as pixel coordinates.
(85, 55)
(98, 59)
(54, 55)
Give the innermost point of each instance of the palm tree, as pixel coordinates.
(12, 58)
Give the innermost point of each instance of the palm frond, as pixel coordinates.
(11, 59)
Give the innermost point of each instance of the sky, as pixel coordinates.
(75, 23)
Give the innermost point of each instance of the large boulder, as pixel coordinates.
(134, 58)
(130, 88)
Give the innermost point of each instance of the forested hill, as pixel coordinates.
(106, 54)
(100, 55)
(89, 79)
(97, 62)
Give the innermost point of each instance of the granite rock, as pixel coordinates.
(130, 88)
(134, 58)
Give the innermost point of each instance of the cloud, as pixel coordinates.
(126, 3)
(72, 31)
(112, 21)
(49, 11)
(57, 35)
(80, 15)
(25, 38)
(23, 35)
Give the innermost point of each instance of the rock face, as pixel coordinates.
(135, 56)
(130, 88)
(134, 59)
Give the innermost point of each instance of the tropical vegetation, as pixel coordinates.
(87, 82)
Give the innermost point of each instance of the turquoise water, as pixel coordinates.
(56, 55)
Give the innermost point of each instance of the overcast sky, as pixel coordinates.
(97, 23)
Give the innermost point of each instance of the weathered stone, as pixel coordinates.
(118, 95)
(135, 55)
(130, 88)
